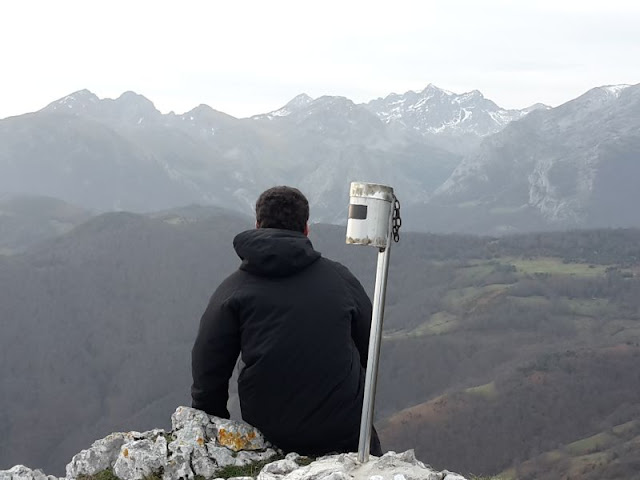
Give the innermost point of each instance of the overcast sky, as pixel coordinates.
(249, 57)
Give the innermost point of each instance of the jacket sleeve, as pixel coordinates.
(213, 357)
(361, 320)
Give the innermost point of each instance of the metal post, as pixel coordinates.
(375, 339)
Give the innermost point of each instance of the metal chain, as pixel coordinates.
(396, 221)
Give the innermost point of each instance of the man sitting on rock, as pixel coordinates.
(301, 323)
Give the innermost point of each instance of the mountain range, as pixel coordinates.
(572, 166)
(455, 122)
(458, 162)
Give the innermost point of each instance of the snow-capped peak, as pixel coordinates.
(614, 89)
(75, 101)
(437, 111)
(431, 88)
(128, 108)
(297, 103)
(133, 98)
(469, 96)
(300, 101)
(534, 107)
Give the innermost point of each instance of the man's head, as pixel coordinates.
(283, 207)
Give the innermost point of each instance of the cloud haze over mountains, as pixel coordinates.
(457, 162)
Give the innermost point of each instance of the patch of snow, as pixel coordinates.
(615, 89)
(432, 87)
(420, 103)
(502, 117)
(283, 112)
(392, 116)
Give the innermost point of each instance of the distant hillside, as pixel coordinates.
(489, 315)
(544, 405)
(26, 220)
(97, 328)
(610, 454)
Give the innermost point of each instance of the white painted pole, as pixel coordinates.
(375, 339)
(371, 211)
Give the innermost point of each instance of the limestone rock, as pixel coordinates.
(204, 466)
(221, 455)
(178, 465)
(101, 455)
(447, 475)
(200, 445)
(20, 472)
(141, 458)
(391, 466)
(249, 457)
(239, 436)
(279, 467)
(186, 415)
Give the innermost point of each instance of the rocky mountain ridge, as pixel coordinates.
(200, 446)
(434, 113)
(458, 162)
(453, 121)
(564, 167)
(124, 154)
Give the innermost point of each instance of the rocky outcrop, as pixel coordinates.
(202, 447)
(20, 472)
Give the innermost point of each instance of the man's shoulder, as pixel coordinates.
(343, 276)
(338, 268)
(229, 285)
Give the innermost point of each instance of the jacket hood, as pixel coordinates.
(272, 252)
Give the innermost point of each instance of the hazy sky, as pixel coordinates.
(249, 57)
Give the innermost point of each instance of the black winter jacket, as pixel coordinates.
(302, 324)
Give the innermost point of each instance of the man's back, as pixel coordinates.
(302, 323)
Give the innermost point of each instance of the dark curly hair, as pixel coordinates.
(282, 207)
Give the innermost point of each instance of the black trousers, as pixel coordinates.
(375, 447)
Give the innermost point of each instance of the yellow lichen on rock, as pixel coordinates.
(235, 440)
